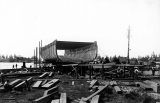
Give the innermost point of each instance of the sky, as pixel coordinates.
(23, 23)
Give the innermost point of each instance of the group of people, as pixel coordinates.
(15, 66)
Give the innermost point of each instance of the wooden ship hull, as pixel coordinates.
(74, 52)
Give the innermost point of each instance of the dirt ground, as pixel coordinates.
(76, 89)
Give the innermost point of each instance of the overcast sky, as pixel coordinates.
(23, 23)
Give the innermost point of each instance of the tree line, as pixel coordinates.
(123, 60)
(15, 58)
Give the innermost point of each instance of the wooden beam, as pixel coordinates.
(96, 93)
(44, 82)
(50, 91)
(45, 99)
(20, 86)
(15, 82)
(37, 84)
(50, 74)
(63, 98)
(43, 75)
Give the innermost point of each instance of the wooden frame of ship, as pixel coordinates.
(74, 52)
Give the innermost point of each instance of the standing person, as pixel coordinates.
(28, 86)
(136, 73)
(2, 77)
(13, 66)
(153, 71)
(7, 86)
(16, 66)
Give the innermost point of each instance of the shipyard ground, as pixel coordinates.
(78, 88)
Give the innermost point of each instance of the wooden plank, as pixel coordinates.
(37, 84)
(55, 101)
(51, 90)
(44, 82)
(63, 98)
(15, 82)
(50, 74)
(50, 83)
(96, 93)
(93, 82)
(43, 75)
(95, 99)
(20, 86)
(45, 99)
(30, 79)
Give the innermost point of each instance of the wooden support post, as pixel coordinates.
(102, 71)
(90, 72)
(39, 54)
(34, 58)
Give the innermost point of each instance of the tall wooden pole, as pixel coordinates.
(36, 56)
(128, 45)
(39, 53)
(41, 50)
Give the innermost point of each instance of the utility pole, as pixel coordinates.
(128, 45)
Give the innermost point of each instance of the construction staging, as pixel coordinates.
(76, 78)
